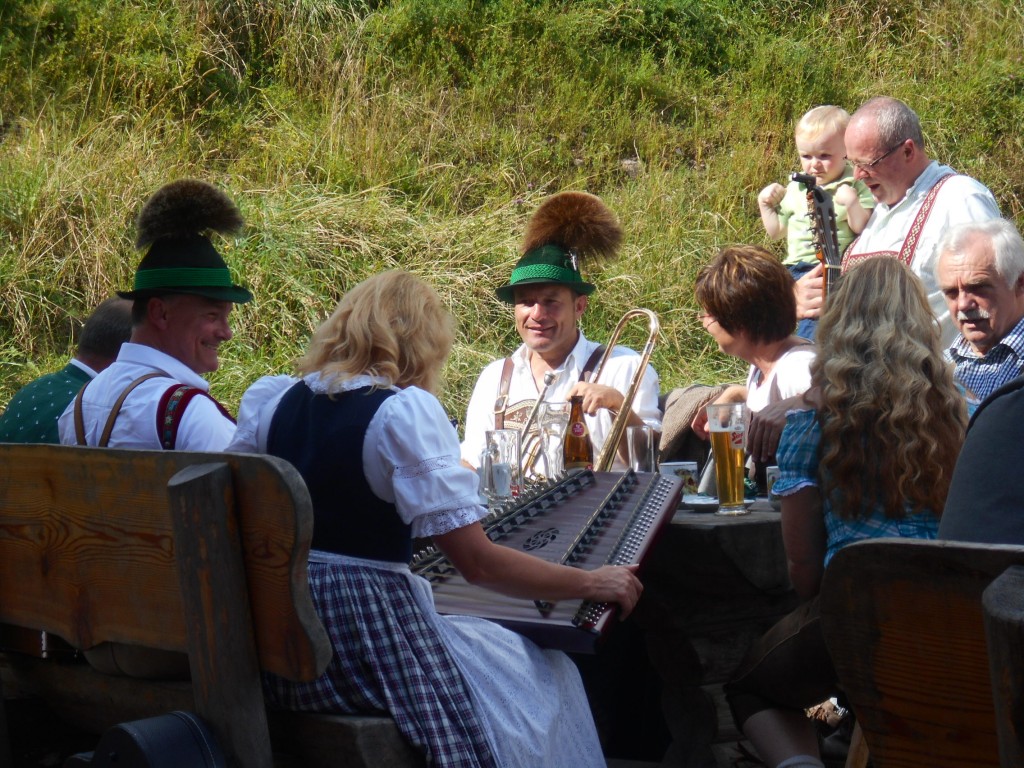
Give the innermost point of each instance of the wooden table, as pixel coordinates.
(712, 585)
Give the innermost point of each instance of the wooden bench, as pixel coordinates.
(198, 553)
(904, 623)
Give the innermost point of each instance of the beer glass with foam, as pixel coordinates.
(727, 423)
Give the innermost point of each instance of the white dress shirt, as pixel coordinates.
(202, 428)
(961, 199)
(618, 373)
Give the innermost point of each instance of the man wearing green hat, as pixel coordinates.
(154, 396)
(555, 360)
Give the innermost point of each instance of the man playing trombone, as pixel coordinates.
(555, 360)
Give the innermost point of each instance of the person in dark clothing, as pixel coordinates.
(985, 504)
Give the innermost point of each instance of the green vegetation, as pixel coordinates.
(361, 135)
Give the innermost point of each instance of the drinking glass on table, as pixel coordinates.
(640, 440)
(502, 450)
(553, 417)
(727, 423)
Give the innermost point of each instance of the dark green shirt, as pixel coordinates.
(31, 416)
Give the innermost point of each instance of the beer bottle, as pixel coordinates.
(577, 450)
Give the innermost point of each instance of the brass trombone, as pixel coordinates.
(611, 445)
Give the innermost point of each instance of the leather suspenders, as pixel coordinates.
(170, 410)
(114, 411)
(501, 403)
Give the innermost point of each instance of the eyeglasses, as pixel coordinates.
(868, 167)
(703, 315)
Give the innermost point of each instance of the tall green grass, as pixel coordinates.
(365, 135)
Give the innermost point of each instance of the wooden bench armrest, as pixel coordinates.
(1003, 601)
(222, 654)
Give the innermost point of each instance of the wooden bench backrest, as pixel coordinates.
(87, 550)
(903, 621)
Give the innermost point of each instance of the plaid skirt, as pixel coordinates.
(464, 691)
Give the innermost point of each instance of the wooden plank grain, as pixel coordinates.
(68, 523)
(71, 517)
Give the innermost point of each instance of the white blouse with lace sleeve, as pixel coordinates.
(417, 464)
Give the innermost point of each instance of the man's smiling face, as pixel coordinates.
(546, 316)
(195, 328)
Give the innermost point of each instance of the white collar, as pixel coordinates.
(333, 383)
(151, 357)
(573, 362)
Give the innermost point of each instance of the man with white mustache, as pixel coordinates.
(154, 395)
(980, 271)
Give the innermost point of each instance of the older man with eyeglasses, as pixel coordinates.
(918, 199)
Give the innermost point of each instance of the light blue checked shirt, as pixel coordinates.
(983, 374)
(798, 468)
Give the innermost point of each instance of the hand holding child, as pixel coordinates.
(808, 293)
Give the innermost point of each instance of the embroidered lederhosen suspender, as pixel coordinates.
(170, 411)
(906, 252)
(501, 403)
(530, 446)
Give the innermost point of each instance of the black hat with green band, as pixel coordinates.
(181, 258)
(567, 228)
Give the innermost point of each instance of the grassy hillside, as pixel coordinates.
(360, 136)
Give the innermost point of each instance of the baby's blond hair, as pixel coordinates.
(826, 118)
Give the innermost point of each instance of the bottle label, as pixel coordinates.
(578, 429)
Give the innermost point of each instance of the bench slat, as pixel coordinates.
(222, 649)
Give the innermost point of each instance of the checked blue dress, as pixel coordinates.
(798, 468)
(383, 466)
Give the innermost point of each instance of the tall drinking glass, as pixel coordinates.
(640, 440)
(553, 417)
(502, 447)
(727, 423)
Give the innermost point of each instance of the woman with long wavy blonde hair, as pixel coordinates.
(892, 420)
(873, 459)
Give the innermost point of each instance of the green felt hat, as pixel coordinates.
(565, 228)
(547, 264)
(188, 264)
